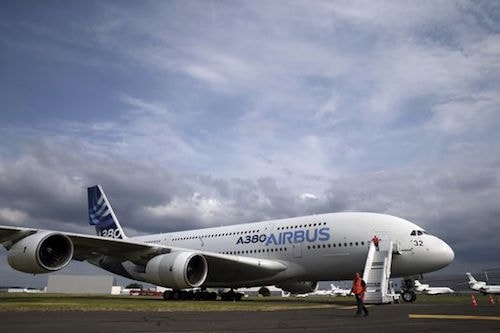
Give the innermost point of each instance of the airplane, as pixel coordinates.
(425, 289)
(481, 286)
(337, 291)
(291, 253)
(323, 292)
(333, 291)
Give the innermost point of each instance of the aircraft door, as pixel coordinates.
(297, 250)
(268, 229)
(383, 236)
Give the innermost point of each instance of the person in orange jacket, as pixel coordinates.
(359, 289)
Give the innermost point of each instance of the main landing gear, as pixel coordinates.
(231, 296)
(183, 295)
(200, 295)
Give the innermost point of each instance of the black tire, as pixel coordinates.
(205, 295)
(167, 295)
(408, 296)
(176, 295)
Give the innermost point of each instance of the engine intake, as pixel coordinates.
(42, 252)
(177, 270)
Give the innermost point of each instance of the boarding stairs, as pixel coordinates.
(378, 272)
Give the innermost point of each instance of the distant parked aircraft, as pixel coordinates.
(337, 291)
(333, 291)
(481, 286)
(425, 289)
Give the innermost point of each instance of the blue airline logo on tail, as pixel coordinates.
(101, 215)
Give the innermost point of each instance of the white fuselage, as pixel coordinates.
(426, 289)
(484, 288)
(314, 248)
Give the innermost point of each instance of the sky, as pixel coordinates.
(197, 114)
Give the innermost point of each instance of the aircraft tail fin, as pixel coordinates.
(471, 278)
(101, 215)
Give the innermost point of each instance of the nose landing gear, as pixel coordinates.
(407, 290)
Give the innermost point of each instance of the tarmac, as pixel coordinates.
(383, 318)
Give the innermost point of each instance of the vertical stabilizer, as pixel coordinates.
(101, 215)
(471, 278)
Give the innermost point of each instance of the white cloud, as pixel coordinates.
(308, 196)
(197, 207)
(12, 216)
(143, 108)
(205, 73)
(475, 114)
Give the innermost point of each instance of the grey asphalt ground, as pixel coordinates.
(383, 318)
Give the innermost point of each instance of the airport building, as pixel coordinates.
(82, 284)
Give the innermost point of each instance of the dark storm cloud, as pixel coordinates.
(46, 187)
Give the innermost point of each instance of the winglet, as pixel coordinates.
(101, 215)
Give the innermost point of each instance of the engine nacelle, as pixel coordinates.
(42, 252)
(299, 287)
(177, 270)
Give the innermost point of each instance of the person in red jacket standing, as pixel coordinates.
(359, 289)
(375, 241)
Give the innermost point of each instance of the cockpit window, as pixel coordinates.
(413, 233)
(420, 233)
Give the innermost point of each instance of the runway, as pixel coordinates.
(385, 318)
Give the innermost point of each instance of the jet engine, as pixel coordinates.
(177, 270)
(42, 252)
(299, 287)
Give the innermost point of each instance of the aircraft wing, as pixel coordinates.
(222, 268)
(89, 246)
(10, 235)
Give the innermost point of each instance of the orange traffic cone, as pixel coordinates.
(492, 301)
(473, 300)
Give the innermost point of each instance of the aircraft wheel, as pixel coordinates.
(167, 295)
(205, 295)
(183, 295)
(176, 295)
(408, 296)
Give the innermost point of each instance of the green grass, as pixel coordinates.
(63, 302)
(60, 302)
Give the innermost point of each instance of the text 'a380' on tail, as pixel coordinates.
(101, 215)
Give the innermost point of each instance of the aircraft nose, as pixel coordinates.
(445, 254)
(440, 255)
(448, 254)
